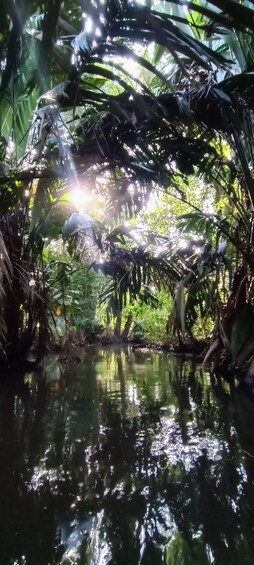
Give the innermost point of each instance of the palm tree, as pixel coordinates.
(98, 120)
(154, 137)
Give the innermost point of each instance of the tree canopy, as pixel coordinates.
(119, 99)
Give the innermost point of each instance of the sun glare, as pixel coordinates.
(80, 199)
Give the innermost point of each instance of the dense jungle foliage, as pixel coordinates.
(126, 174)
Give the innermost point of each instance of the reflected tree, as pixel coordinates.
(128, 458)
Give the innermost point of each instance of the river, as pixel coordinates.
(126, 458)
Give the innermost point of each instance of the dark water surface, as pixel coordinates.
(128, 458)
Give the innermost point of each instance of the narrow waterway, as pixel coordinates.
(127, 458)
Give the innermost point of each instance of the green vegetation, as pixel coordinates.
(139, 116)
(74, 296)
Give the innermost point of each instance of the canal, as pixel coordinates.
(129, 458)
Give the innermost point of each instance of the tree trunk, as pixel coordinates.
(127, 326)
(117, 329)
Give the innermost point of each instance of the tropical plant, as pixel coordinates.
(190, 111)
(150, 323)
(74, 291)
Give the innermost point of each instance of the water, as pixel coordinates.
(128, 458)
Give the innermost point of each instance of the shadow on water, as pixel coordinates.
(128, 458)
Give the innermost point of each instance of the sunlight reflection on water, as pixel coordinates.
(131, 459)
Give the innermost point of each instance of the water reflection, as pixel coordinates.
(127, 458)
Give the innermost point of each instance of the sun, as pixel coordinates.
(80, 199)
